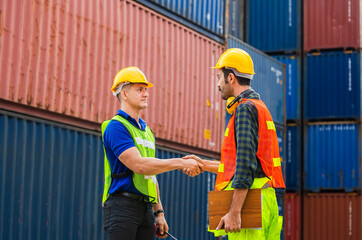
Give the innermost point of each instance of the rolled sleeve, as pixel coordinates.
(246, 134)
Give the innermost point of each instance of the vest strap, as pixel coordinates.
(121, 175)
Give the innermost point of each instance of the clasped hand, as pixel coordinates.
(193, 165)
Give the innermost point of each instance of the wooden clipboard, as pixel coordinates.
(219, 205)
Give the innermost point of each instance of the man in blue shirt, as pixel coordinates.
(131, 200)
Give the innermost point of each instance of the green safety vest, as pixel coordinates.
(145, 143)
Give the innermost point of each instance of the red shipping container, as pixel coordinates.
(332, 24)
(292, 218)
(62, 56)
(332, 216)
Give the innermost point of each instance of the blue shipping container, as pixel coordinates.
(332, 157)
(51, 182)
(205, 16)
(293, 158)
(293, 85)
(268, 80)
(236, 21)
(273, 25)
(333, 86)
(281, 142)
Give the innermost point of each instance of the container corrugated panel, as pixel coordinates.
(273, 26)
(293, 158)
(62, 56)
(292, 217)
(208, 14)
(281, 142)
(185, 200)
(293, 85)
(333, 86)
(332, 216)
(331, 24)
(331, 157)
(236, 18)
(268, 80)
(51, 182)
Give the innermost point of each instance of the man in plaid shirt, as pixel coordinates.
(250, 153)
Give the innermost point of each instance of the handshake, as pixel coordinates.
(193, 165)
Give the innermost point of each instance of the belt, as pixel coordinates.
(133, 196)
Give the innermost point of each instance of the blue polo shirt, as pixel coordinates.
(116, 140)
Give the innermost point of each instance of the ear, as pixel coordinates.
(231, 78)
(124, 94)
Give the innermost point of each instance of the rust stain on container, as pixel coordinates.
(332, 216)
(63, 55)
(332, 24)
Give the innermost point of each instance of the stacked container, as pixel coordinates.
(332, 113)
(58, 61)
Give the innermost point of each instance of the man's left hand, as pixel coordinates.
(231, 222)
(162, 224)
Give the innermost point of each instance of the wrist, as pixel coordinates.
(158, 213)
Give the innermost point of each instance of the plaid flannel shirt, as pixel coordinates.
(248, 166)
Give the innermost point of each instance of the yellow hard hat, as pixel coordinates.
(237, 59)
(230, 109)
(129, 75)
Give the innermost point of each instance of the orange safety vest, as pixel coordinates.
(268, 150)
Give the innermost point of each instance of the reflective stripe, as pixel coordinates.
(276, 162)
(226, 132)
(221, 167)
(270, 125)
(145, 143)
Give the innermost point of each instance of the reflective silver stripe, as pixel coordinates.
(145, 143)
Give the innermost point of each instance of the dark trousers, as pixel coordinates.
(128, 219)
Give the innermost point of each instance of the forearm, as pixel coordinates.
(158, 205)
(238, 200)
(211, 165)
(154, 166)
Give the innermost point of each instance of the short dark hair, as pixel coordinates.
(241, 80)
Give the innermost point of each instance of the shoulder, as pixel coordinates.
(246, 107)
(115, 129)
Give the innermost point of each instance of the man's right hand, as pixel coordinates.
(192, 167)
(196, 171)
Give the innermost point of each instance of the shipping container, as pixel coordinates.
(52, 178)
(51, 181)
(292, 217)
(185, 200)
(236, 18)
(268, 80)
(293, 167)
(331, 160)
(282, 152)
(332, 24)
(205, 16)
(273, 26)
(332, 216)
(332, 87)
(293, 86)
(62, 57)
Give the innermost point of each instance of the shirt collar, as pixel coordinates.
(132, 120)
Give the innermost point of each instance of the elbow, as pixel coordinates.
(140, 169)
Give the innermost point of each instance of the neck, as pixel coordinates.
(239, 89)
(134, 113)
